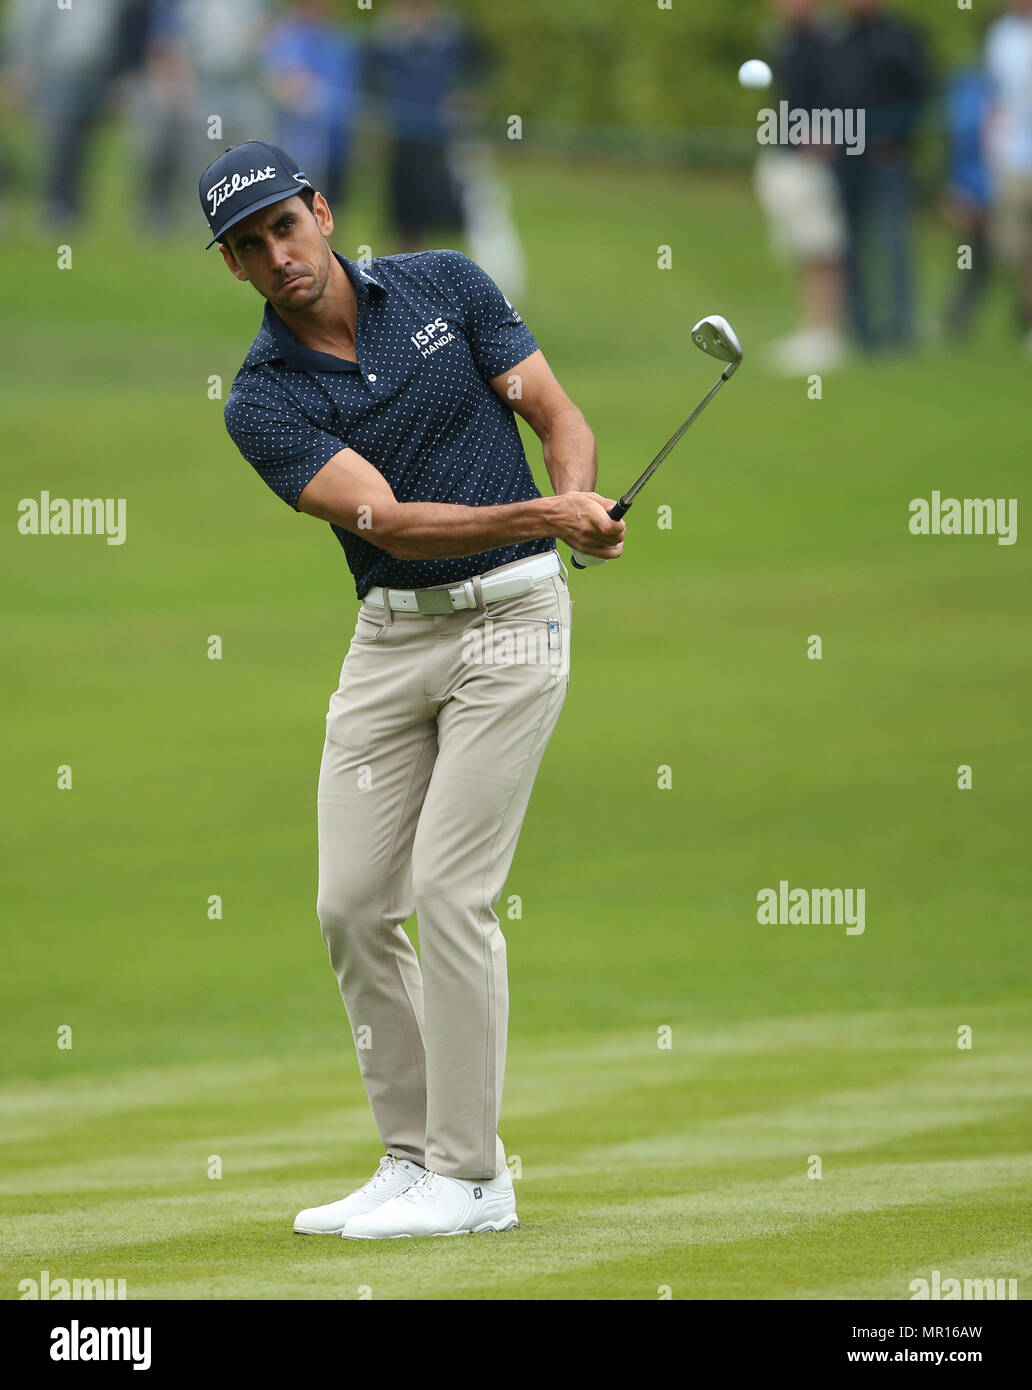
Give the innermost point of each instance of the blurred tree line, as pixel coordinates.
(634, 65)
(629, 62)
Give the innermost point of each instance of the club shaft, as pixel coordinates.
(621, 508)
(636, 487)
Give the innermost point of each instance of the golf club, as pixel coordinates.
(715, 336)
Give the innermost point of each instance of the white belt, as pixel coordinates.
(508, 581)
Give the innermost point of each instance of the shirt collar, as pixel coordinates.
(362, 278)
(276, 343)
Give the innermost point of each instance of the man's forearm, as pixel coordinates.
(432, 530)
(443, 530)
(570, 454)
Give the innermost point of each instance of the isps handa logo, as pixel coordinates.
(432, 337)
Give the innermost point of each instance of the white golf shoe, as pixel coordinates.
(392, 1177)
(440, 1206)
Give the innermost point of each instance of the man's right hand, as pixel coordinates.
(582, 520)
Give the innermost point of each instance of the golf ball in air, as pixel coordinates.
(755, 74)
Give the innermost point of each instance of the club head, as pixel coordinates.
(715, 336)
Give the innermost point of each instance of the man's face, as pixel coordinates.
(282, 250)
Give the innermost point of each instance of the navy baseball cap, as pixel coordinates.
(247, 177)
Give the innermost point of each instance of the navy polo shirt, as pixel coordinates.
(432, 329)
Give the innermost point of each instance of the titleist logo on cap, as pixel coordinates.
(225, 188)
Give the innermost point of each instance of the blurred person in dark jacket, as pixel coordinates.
(881, 67)
(799, 195)
(421, 65)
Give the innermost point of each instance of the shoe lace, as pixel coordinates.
(387, 1166)
(420, 1189)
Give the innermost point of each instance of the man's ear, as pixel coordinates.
(322, 214)
(232, 262)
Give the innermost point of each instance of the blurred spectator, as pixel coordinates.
(967, 196)
(421, 64)
(66, 61)
(164, 121)
(200, 93)
(222, 42)
(14, 93)
(798, 192)
(1008, 56)
(486, 202)
(132, 34)
(313, 70)
(881, 67)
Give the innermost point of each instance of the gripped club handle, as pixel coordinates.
(582, 562)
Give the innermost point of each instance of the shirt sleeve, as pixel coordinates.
(497, 334)
(285, 448)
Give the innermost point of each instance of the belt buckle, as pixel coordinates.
(436, 601)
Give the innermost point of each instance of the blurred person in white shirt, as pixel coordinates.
(1008, 61)
(798, 192)
(201, 92)
(64, 63)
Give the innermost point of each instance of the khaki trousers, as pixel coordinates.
(433, 741)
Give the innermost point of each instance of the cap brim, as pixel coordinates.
(257, 207)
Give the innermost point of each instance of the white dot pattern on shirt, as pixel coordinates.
(425, 417)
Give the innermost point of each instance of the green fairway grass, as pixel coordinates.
(642, 1167)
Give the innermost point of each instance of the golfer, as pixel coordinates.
(379, 396)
